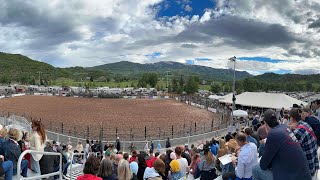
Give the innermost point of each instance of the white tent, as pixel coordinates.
(240, 113)
(215, 97)
(264, 100)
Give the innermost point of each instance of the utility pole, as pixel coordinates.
(39, 72)
(167, 78)
(234, 86)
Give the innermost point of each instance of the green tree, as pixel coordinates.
(91, 79)
(181, 81)
(308, 86)
(192, 85)
(215, 88)
(174, 83)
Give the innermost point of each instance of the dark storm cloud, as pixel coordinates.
(315, 24)
(189, 46)
(44, 29)
(242, 32)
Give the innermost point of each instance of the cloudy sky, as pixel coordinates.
(281, 36)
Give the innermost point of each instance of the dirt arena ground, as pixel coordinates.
(79, 113)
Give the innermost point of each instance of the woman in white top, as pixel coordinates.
(37, 141)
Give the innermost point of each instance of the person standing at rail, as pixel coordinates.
(37, 141)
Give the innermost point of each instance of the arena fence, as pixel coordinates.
(14, 121)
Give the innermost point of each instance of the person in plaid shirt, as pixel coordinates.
(306, 138)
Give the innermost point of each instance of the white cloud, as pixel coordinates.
(94, 32)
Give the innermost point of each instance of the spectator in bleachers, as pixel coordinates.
(6, 168)
(195, 156)
(263, 133)
(118, 145)
(132, 148)
(207, 165)
(313, 121)
(283, 157)
(223, 151)
(151, 146)
(142, 166)
(214, 147)
(87, 149)
(247, 157)
(134, 168)
(168, 144)
(134, 156)
(306, 138)
(126, 156)
(13, 152)
(47, 162)
(94, 146)
(184, 168)
(185, 155)
(150, 159)
(106, 170)
(3, 134)
(124, 171)
(90, 169)
(255, 121)
(317, 111)
(24, 145)
(228, 137)
(285, 120)
(119, 157)
(255, 134)
(175, 173)
(65, 161)
(168, 160)
(248, 132)
(37, 141)
(159, 147)
(79, 147)
(163, 158)
(151, 173)
(160, 168)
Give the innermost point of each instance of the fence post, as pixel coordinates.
(62, 128)
(212, 124)
(195, 127)
(145, 132)
(172, 131)
(88, 131)
(116, 132)
(184, 129)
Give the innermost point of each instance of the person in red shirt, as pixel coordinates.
(134, 156)
(151, 159)
(90, 169)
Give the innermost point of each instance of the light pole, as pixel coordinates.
(39, 72)
(233, 86)
(167, 78)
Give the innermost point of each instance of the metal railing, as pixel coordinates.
(72, 158)
(39, 176)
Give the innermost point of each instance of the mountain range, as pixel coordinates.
(19, 68)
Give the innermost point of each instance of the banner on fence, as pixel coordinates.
(212, 110)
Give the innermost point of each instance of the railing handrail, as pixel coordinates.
(39, 176)
(74, 154)
(141, 141)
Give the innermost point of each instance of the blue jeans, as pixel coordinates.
(8, 169)
(24, 168)
(259, 174)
